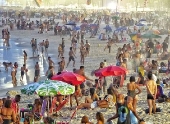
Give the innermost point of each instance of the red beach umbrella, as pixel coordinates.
(111, 71)
(70, 78)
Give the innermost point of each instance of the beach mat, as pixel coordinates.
(157, 110)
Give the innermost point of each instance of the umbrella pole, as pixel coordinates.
(51, 105)
(48, 104)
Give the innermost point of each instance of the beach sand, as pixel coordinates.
(97, 55)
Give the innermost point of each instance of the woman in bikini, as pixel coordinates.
(7, 113)
(131, 87)
(93, 96)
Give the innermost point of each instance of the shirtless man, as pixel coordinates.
(151, 93)
(83, 51)
(22, 72)
(37, 72)
(50, 62)
(82, 73)
(62, 64)
(33, 45)
(109, 44)
(60, 51)
(41, 47)
(46, 44)
(71, 57)
(126, 55)
(87, 45)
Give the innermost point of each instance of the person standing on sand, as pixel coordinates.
(46, 44)
(25, 56)
(13, 74)
(109, 44)
(131, 88)
(82, 73)
(50, 62)
(126, 55)
(71, 57)
(37, 72)
(60, 51)
(41, 47)
(33, 45)
(87, 45)
(82, 54)
(62, 64)
(151, 93)
(63, 45)
(23, 68)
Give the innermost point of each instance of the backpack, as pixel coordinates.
(123, 113)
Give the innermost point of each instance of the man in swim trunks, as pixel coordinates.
(50, 62)
(151, 93)
(22, 72)
(87, 45)
(82, 73)
(71, 57)
(126, 55)
(37, 72)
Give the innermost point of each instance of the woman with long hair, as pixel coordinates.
(100, 118)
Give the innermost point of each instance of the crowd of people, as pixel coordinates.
(101, 95)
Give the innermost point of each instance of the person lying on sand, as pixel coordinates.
(105, 103)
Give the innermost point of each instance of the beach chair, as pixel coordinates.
(59, 107)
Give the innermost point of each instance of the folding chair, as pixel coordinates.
(59, 107)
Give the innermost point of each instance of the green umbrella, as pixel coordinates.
(52, 88)
(149, 35)
(30, 88)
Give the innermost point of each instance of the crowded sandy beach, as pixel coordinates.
(84, 67)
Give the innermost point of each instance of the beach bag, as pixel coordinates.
(123, 113)
(157, 110)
